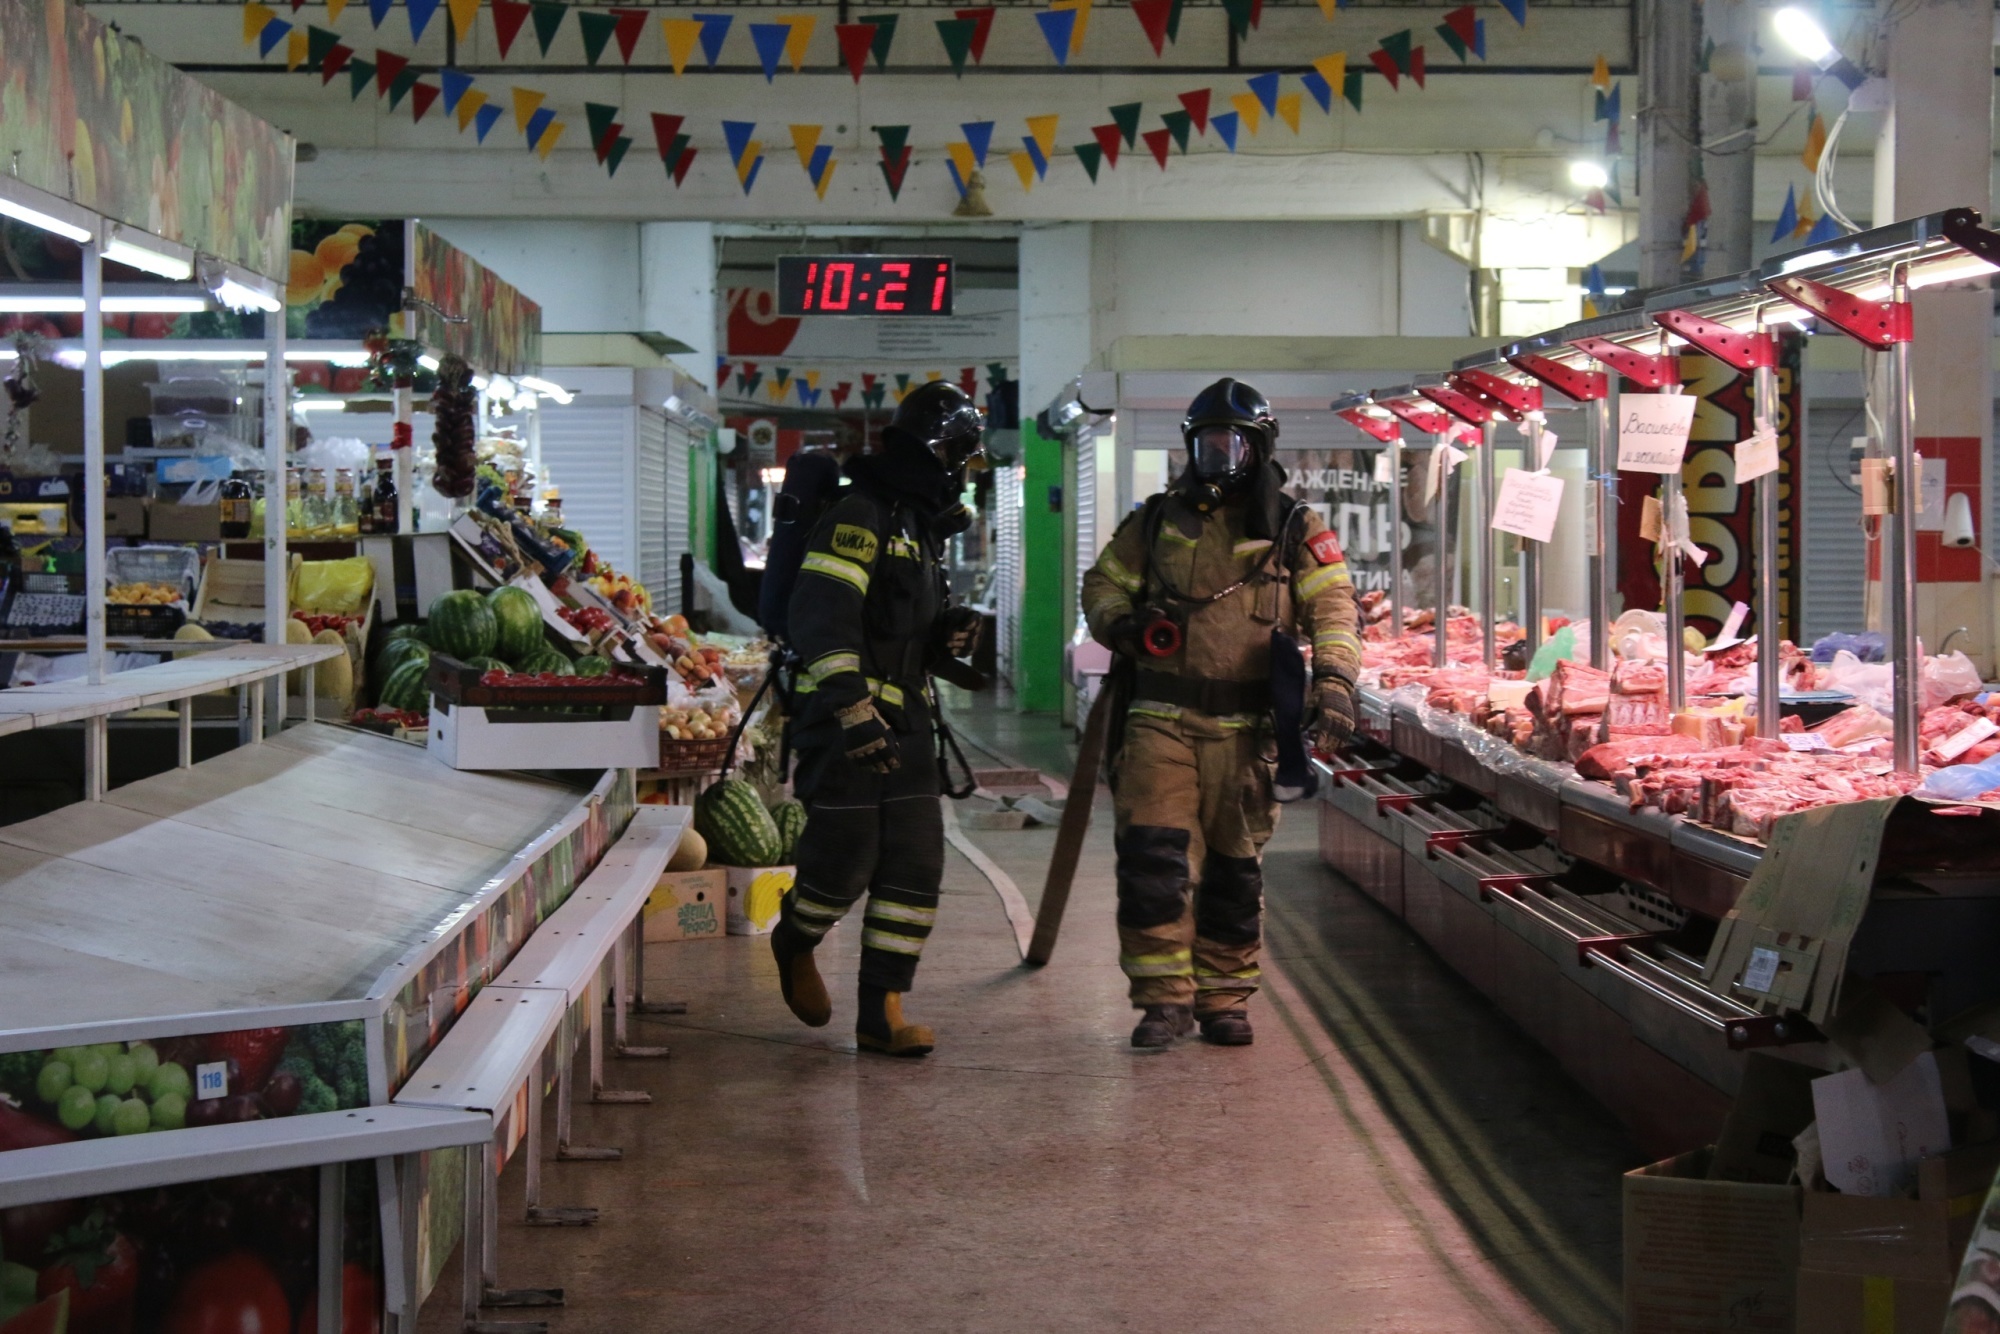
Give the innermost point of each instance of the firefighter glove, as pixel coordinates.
(1333, 714)
(870, 743)
(959, 631)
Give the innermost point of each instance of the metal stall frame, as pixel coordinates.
(1375, 420)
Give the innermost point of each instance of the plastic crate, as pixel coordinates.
(179, 566)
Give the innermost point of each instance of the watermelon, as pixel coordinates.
(520, 622)
(404, 688)
(49, 1316)
(740, 832)
(488, 664)
(545, 660)
(399, 651)
(463, 626)
(790, 817)
(592, 664)
(407, 630)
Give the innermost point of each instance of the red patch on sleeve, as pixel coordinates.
(1326, 548)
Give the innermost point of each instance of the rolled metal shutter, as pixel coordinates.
(1831, 547)
(650, 461)
(1007, 568)
(589, 455)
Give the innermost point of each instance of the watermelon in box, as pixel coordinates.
(463, 626)
(519, 621)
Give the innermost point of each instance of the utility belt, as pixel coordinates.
(897, 659)
(1197, 692)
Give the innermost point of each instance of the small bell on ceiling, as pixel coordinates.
(973, 203)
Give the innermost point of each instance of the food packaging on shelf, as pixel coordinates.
(754, 895)
(687, 905)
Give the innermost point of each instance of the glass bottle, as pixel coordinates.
(295, 503)
(345, 518)
(388, 515)
(236, 498)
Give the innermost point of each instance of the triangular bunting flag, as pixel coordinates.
(421, 96)
(1178, 124)
(1788, 216)
(895, 166)
(1479, 38)
(469, 104)
(1110, 139)
(868, 381)
(484, 115)
(1417, 66)
(597, 27)
(319, 44)
(805, 138)
(603, 123)
(781, 376)
(682, 161)
(548, 16)
(1462, 23)
(798, 39)
(1196, 104)
(748, 175)
(377, 11)
(1158, 140)
(1322, 91)
(274, 32)
(714, 29)
(538, 126)
(255, 19)
(547, 145)
(979, 137)
(770, 39)
(736, 133)
(1057, 27)
(1082, 10)
(1239, 17)
(840, 393)
(1351, 89)
(1823, 231)
(665, 127)
(619, 147)
(893, 138)
(822, 173)
(295, 50)
(964, 158)
(1036, 156)
(421, 12)
(1174, 22)
(336, 61)
(1024, 167)
(359, 75)
(854, 39)
(957, 35)
(1333, 69)
(957, 179)
(334, 9)
(1459, 46)
(1517, 8)
(1225, 125)
(525, 102)
(1044, 130)
(1397, 44)
(400, 89)
(1266, 88)
(1385, 62)
(1288, 110)
(1600, 74)
(1249, 109)
(982, 21)
(1153, 16)
(681, 37)
(885, 36)
(631, 27)
(1126, 116)
(508, 16)
(1612, 109)
(463, 12)
(1815, 140)
(455, 84)
(389, 67)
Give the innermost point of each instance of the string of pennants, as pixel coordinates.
(810, 387)
(783, 41)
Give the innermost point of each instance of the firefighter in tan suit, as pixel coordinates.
(1190, 590)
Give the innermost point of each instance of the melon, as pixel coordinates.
(405, 688)
(408, 630)
(296, 632)
(399, 651)
(592, 664)
(790, 817)
(519, 620)
(691, 854)
(740, 832)
(488, 664)
(334, 679)
(462, 625)
(545, 660)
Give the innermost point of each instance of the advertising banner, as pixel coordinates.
(465, 307)
(1352, 495)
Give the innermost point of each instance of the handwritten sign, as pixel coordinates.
(1653, 431)
(1758, 455)
(1528, 504)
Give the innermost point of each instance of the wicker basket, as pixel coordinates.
(692, 757)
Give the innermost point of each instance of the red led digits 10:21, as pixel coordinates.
(864, 285)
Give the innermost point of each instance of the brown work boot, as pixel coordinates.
(879, 1026)
(1227, 1028)
(1162, 1025)
(798, 976)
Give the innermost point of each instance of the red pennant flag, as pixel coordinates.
(1197, 107)
(631, 27)
(968, 380)
(1385, 62)
(1109, 137)
(1157, 140)
(665, 127)
(388, 67)
(1417, 66)
(603, 146)
(421, 96)
(508, 16)
(1256, 13)
(1152, 16)
(895, 168)
(841, 391)
(681, 166)
(856, 39)
(1594, 199)
(1465, 23)
(336, 61)
(982, 28)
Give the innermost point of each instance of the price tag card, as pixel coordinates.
(1732, 628)
(1649, 520)
(1528, 504)
(1762, 970)
(1756, 456)
(1965, 738)
(1653, 431)
(1804, 741)
(1384, 465)
(1548, 448)
(211, 1080)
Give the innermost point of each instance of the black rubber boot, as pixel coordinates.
(1227, 1028)
(879, 1026)
(1161, 1025)
(798, 975)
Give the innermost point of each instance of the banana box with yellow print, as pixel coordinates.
(754, 896)
(687, 905)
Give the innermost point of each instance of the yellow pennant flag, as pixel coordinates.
(549, 137)
(1600, 75)
(682, 34)
(1024, 167)
(468, 107)
(1333, 69)
(1589, 309)
(812, 377)
(933, 376)
(1044, 130)
(805, 138)
(1689, 244)
(753, 153)
(961, 157)
(1329, 9)
(1815, 142)
(795, 41)
(776, 390)
(1288, 110)
(1806, 221)
(526, 102)
(1250, 109)
(333, 10)
(295, 50)
(462, 14)
(819, 188)
(254, 18)
(1082, 8)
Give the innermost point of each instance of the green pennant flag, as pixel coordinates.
(885, 33)
(619, 147)
(1457, 43)
(1174, 22)
(399, 88)
(548, 16)
(1239, 16)
(893, 138)
(1397, 44)
(1352, 92)
(600, 118)
(957, 35)
(360, 74)
(597, 27)
(902, 381)
(1126, 114)
(782, 374)
(1090, 155)
(319, 45)
(1178, 124)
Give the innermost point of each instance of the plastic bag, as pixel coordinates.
(1560, 645)
(1868, 646)
(1868, 682)
(334, 587)
(1946, 677)
(207, 492)
(1962, 782)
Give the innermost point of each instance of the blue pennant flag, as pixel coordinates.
(818, 163)
(736, 133)
(420, 17)
(1035, 156)
(1321, 91)
(1225, 125)
(979, 136)
(378, 10)
(1788, 217)
(770, 39)
(1479, 38)
(456, 85)
(1266, 88)
(273, 33)
(1057, 26)
(484, 118)
(1517, 8)
(956, 179)
(714, 27)
(538, 125)
(1611, 101)
(1593, 280)
(750, 181)
(1823, 231)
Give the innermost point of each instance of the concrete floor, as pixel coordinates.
(1392, 1154)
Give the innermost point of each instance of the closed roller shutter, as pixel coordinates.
(1007, 567)
(681, 443)
(1833, 553)
(588, 453)
(651, 519)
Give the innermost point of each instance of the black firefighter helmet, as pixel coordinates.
(1230, 433)
(942, 418)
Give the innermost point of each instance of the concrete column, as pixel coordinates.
(1729, 133)
(1935, 152)
(677, 290)
(1666, 135)
(1055, 310)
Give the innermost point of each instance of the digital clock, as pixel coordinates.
(864, 285)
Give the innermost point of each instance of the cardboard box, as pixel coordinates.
(170, 521)
(754, 895)
(1708, 1255)
(124, 516)
(465, 736)
(233, 590)
(1887, 1266)
(687, 905)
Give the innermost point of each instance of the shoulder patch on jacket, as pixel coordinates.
(1325, 548)
(854, 542)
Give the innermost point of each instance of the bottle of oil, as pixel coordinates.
(236, 498)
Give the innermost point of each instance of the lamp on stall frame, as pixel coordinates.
(160, 258)
(23, 203)
(1801, 32)
(231, 292)
(974, 204)
(1588, 175)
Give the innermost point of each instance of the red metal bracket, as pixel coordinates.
(1646, 369)
(1877, 324)
(1744, 351)
(1515, 399)
(1608, 945)
(1379, 427)
(1451, 840)
(1339, 776)
(1426, 419)
(1581, 385)
(1398, 801)
(1463, 406)
(1505, 885)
